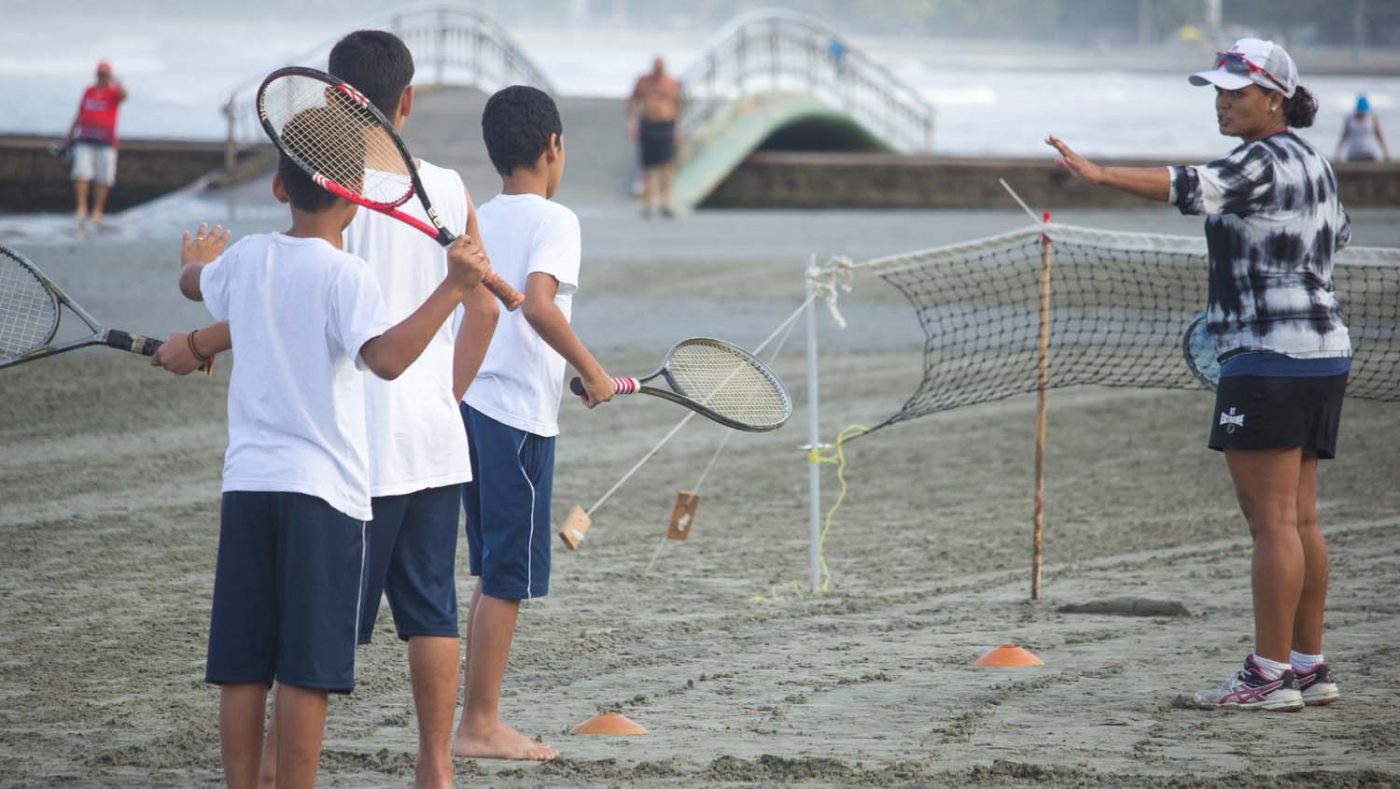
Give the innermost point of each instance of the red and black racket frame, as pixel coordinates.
(509, 296)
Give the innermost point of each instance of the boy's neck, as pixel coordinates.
(325, 225)
(534, 181)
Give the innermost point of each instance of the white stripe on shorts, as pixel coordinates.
(364, 570)
(529, 544)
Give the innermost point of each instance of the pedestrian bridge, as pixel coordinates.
(452, 45)
(771, 79)
(779, 80)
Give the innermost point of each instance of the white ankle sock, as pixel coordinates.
(1271, 669)
(1302, 663)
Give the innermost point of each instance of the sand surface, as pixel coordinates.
(109, 476)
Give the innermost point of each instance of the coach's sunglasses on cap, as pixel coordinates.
(1236, 63)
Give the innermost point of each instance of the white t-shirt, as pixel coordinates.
(522, 378)
(298, 310)
(416, 438)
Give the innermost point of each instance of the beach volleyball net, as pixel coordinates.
(1054, 305)
(1117, 309)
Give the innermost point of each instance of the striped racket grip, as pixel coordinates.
(622, 385)
(508, 295)
(134, 343)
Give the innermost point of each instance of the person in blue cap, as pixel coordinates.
(1362, 139)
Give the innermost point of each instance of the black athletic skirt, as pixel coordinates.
(1264, 412)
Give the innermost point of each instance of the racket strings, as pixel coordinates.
(729, 383)
(28, 311)
(337, 137)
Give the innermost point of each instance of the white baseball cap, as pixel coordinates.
(1255, 61)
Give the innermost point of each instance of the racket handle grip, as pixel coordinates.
(622, 385)
(508, 295)
(132, 342)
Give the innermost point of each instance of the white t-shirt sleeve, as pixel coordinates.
(213, 285)
(357, 310)
(557, 250)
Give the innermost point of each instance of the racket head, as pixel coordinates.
(29, 313)
(335, 134)
(1199, 349)
(725, 383)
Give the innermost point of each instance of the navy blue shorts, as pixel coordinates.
(507, 505)
(413, 558)
(287, 592)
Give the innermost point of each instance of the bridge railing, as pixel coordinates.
(451, 45)
(778, 50)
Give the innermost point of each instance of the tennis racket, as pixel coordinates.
(349, 148)
(1199, 349)
(29, 317)
(716, 379)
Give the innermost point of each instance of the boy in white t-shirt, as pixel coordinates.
(417, 448)
(512, 407)
(305, 318)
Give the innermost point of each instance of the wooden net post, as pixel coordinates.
(1042, 384)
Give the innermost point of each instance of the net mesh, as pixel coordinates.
(28, 310)
(1119, 307)
(729, 382)
(334, 135)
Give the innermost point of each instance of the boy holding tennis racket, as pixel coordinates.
(512, 408)
(305, 318)
(417, 448)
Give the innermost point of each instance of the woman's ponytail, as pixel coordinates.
(1300, 109)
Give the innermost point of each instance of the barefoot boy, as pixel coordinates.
(511, 410)
(305, 318)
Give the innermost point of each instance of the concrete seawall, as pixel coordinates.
(33, 180)
(770, 179)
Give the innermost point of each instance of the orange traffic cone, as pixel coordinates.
(609, 723)
(1008, 656)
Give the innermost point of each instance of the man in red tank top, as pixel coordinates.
(93, 137)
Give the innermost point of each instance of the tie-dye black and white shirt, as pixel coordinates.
(1274, 223)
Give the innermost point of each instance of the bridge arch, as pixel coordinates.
(774, 78)
(451, 45)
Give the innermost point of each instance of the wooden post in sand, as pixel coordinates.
(1042, 383)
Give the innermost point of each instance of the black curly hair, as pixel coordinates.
(1300, 109)
(377, 63)
(303, 192)
(516, 126)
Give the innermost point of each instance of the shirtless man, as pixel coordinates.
(652, 111)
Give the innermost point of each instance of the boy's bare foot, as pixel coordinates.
(500, 742)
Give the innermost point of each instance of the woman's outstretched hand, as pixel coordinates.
(1078, 166)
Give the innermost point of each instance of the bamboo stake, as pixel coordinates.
(1042, 383)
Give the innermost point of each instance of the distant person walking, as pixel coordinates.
(652, 112)
(93, 137)
(1362, 140)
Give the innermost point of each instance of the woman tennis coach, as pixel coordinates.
(1273, 224)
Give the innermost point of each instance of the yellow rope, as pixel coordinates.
(836, 453)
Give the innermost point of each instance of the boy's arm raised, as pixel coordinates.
(390, 353)
(196, 253)
(483, 311)
(546, 319)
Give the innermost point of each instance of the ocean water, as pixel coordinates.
(180, 60)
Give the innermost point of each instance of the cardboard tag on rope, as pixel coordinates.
(575, 526)
(682, 515)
